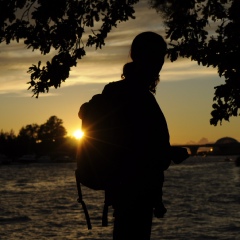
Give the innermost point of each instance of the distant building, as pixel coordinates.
(226, 146)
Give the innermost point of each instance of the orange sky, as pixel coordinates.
(185, 92)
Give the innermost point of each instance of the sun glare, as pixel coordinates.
(78, 134)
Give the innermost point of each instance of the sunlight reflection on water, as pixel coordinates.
(38, 201)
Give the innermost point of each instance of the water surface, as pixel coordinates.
(38, 201)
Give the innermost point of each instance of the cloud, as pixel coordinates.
(98, 66)
(185, 69)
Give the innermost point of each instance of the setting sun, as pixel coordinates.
(78, 134)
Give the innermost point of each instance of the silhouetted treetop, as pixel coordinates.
(207, 31)
(53, 130)
(60, 25)
(50, 131)
(30, 131)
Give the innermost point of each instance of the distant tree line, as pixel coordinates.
(45, 139)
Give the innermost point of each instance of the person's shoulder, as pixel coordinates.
(116, 86)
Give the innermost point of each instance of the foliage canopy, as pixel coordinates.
(206, 31)
(59, 25)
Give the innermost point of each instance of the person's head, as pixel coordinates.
(148, 47)
(148, 50)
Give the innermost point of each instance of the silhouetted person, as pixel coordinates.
(147, 152)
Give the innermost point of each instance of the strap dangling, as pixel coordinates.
(80, 200)
(105, 215)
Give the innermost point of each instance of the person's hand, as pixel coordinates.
(159, 210)
(178, 154)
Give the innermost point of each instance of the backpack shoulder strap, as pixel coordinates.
(80, 200)
(105, 215)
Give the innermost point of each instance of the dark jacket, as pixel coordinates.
(146, 135)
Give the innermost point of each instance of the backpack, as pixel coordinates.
(99, 151)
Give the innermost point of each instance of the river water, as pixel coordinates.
(38, 201)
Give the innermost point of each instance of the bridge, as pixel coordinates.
(193, 148)
(226, 147)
